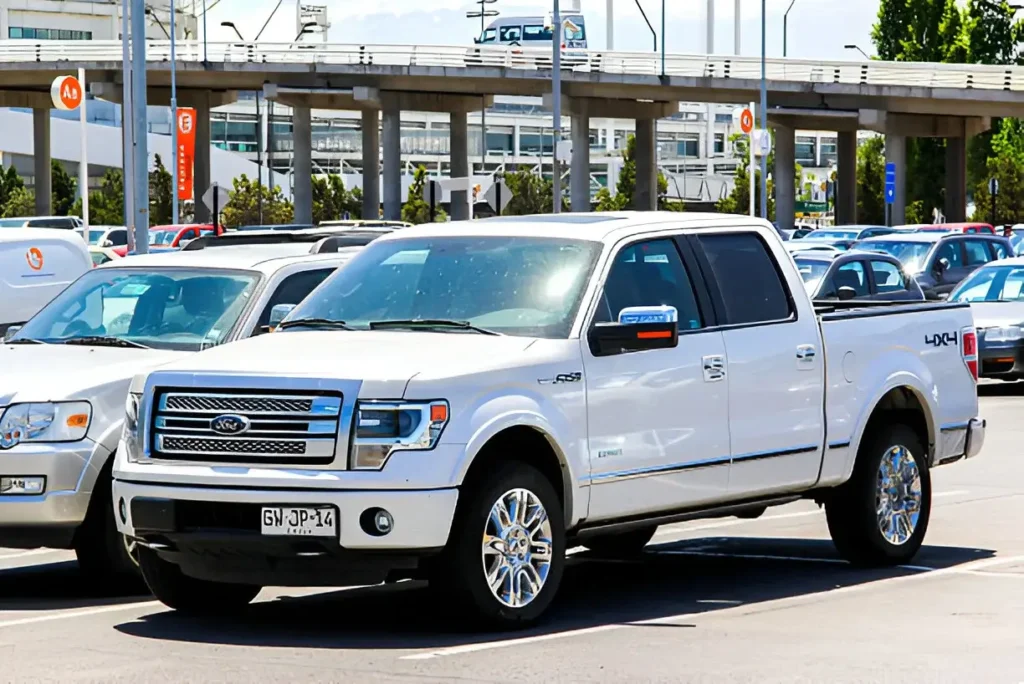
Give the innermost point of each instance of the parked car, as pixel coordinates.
(107, 236)
(996, 295)
(939, 261)
(101, 255)
(970, 228)
(283, 226)
(360, 224)
(75, 358)
(469, 400)
(847, 234)
(35, 265)
(856, 275)
(811, 246)
(60, 222)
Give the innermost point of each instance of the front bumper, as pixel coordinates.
(50, 518)
(214, 533)
(1001, 359)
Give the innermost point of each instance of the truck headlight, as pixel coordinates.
(1009, 333)
(382, 428)
(131, 414)
(66, 421)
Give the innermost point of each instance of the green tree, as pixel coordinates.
(62, 188)
(738, 202)
(416, 209)
(871, 181)
(106, 205)
(161, 195)
(21, 202)
(9, 182)
(625, 187)
(1007, 166)
(531, 193)
(242, 207)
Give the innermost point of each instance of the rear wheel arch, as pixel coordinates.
(902, 404)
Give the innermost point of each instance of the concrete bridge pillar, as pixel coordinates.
(393, 164)
(41, 156)
(784, 174)
(459, 151)
(645, 197)
(302, 151)
(579, 176)
(896, 153)
(371, 164)
(956, 180)
(846, 181)
(201, 168)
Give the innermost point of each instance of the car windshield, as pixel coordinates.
(512, 285)
(911, 254)
(994, 284)
(162, 237)
(95, 235)
(833, 235)
(812, 271)
(99, 258)
(171, 308)
(13, 223)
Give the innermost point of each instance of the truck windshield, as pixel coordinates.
(523, 286)
(173, 308)
(911, 254)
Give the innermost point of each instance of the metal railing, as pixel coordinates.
(641, 64)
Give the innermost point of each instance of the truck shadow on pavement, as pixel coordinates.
(685, 580)
(59, 586)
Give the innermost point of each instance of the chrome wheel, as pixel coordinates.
(131, 548)
(898, 495)
(517, 548)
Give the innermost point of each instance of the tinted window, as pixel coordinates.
(292, 290)
(950, 251)
(118, 237)
(992, 284)
(888, 277)
(976, 252)
(849, 275)
(999, 250)
(748, 278)
(507, 34)
(649, 274)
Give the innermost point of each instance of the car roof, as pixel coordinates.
(929, 237)
(19, 234)
(263, 258)
(606, 227)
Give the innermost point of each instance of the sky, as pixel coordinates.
(818, 29)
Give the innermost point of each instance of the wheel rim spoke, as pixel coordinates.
(516, 548)
(899, 496)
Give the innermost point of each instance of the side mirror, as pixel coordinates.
(942, 265)
(638, 329)
(846, 293)
(278, 313)
(107, 243)
(11, 332)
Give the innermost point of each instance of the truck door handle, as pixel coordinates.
(805, 354)
(714, 368)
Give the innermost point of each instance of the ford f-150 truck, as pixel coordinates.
(464, 402)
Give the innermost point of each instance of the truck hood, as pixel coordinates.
(51, 372)
(997, 314)
(388, 359)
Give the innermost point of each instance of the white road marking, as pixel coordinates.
(71, 614)
(768, 556)
(23, 554)
(746, 609)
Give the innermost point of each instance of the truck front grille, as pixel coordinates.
(246, 427)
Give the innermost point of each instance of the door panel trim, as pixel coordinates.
(760, 455)
(619, 475)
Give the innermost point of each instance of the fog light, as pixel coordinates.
(376, 522)
(22, 485)
(122, 509)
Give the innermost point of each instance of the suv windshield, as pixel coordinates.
(172, 308)
(911, 254)
(512, 285)
(992, 284)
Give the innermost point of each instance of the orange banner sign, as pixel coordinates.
(186, 151)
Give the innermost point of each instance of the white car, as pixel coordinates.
(465, 401)
(66, 374)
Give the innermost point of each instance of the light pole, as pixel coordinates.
(654, 34)
(174, 119)
(857, 48)
(785, 29)
(482, 14)
(259, 125)
(556, 105)
(764, 112)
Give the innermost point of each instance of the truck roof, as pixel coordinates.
(606, 227)
(263, 258)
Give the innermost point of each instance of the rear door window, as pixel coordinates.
(950, 251)
(888, 277)
(999, 250)
(851, 275)
(976, 252)
(748, 278)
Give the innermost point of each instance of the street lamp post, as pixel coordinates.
(857, 48)
(556, 105)
(764, 112)
(482, 14)
(174, 119)
(785, 29)
(259, 126)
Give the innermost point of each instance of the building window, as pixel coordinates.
(719, 143)
(806, 150)
(47, 34)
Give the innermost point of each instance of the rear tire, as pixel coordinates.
(880, 516)
(189, 595)
(104, 555)
(622, 544)
(509, 533)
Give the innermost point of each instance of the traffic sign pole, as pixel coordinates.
(750, 146)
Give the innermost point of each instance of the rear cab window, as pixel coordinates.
(751, 285)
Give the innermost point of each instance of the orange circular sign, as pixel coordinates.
(66, 93)
(34, 257)
(746, 121)
(186, 122)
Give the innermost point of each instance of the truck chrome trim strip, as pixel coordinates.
(757, 456)
(955, 426)
(838, 445)
(619, 475)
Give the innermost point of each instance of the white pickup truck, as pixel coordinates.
(464, 402)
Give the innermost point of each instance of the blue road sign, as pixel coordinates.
(890, 183)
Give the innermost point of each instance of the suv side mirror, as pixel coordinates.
(11, 332)
(638, 328)
(942, 265)
(278, 313)
(846, 293)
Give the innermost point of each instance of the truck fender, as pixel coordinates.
(106, 445)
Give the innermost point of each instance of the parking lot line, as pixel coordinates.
(23, 554)
(71, 614)
(743, 609)
(768, 556)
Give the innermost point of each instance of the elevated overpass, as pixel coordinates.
(898, 99)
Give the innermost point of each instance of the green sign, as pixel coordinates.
(811, 207)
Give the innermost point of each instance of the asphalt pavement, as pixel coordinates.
(726, 600)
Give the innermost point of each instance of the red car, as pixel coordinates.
(985, 228)
(171, 237)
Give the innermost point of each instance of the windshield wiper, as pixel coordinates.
(25, 340)
(432, 323)
(104, 341)
(315, 323)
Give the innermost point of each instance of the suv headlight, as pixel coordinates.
(382, 428)
(66, 421)
(1010, 333)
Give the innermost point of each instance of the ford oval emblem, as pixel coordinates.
(229, 425)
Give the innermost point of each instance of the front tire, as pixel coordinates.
(105, 556)
(189, 595)
(506, 552)
(880, 516)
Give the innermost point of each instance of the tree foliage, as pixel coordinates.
(1007, 166)
(531, 193)
(106, 205)
(738, 201)
(161, 195)
(21, 202)
(871, 181)
(332, 201)
(416, 209)
(243, 204)
(62, 189)
(625, 187)
(9, 182)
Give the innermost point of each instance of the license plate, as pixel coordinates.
(299, 521)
